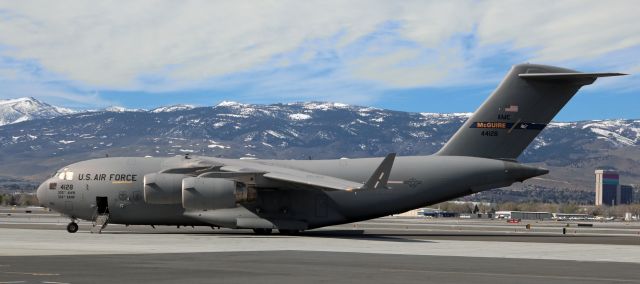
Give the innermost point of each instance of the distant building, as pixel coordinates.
(410, 213)
(424, 212)
(626, 194)
(609, 191)
(436, 213)
(476, 215)
(571, 216)
(607, 187)
(523, 215)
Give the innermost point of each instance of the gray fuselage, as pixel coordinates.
(414, 182)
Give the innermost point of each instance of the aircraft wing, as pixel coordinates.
(378, 179)
(300, 179)
(269, 176)
(276, 177)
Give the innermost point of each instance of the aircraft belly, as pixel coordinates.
(153, 215)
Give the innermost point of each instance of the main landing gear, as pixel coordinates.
(262, 231)
(289, 232)
(72, 227)
(281, 231)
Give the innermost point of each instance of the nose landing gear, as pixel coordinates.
(72, 227)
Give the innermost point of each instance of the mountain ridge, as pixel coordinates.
(28, 108)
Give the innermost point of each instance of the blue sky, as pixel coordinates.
(419, 56)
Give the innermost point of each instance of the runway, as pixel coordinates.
(36, 249)
(305, 267)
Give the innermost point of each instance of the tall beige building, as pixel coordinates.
(607, 187)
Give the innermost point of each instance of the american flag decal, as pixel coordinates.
(511, 108)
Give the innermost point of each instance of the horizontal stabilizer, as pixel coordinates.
(566, 76)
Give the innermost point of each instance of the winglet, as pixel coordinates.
(380, 176)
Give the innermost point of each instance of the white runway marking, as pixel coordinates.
(23, 242)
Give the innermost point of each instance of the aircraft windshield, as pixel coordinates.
(65, 174)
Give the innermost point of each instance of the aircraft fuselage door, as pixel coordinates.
(103, 204)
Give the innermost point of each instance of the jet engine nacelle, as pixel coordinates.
(162, 188)
(214, 193)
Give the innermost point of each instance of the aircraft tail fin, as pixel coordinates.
(522, 106)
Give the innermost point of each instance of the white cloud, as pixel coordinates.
(112, 43)
(408, 67)
(9, 73)
(52, 94)
(160, 45)
(561, 30)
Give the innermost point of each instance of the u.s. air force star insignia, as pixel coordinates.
(412, 182)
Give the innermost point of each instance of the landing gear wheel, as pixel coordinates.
(72, 227)
(262, 231)
(288, 232)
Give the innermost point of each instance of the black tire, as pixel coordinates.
(72, 227)
(262, 231)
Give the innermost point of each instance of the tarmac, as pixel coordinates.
(35, 248)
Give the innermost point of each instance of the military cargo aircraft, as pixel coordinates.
(296, 195)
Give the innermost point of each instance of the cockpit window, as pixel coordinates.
(65, 174)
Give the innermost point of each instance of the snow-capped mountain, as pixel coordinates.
(172, 108)
(23, 109)
(122, 109)
(315, 130)
(155, 110)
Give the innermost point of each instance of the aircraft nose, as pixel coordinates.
(41, 193)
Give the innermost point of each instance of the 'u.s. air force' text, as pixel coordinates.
(108, 177)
